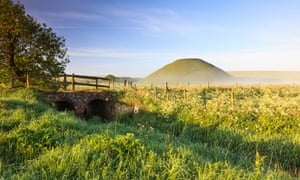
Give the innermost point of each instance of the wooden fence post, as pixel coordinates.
(73, 82)
(12, 82)
(125, 83)
(167, 90)
(232, 98)
(109, 83)
(97, 83)
(65, 82)
(166, 87)
(184, 94)
(27, 80)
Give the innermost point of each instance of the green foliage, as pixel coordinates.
(257, 138)
(239, 120)
(28, 46)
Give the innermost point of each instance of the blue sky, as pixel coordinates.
(136, 37)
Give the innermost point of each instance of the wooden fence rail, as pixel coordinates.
(64, 80)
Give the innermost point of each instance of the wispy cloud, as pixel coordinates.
(67, 15)
(144, 20)
(152, 20)
(119, 53)
(74, 15)
(118, 61)
(101, 52)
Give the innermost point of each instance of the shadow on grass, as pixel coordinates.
(15, 112)
(28, 128)
(211, 143)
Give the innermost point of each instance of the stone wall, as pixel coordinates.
(81, 100)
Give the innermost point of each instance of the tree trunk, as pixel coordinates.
(11, 58)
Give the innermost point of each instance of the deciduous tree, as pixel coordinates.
(27, 46)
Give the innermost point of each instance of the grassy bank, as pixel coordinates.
(210, 134)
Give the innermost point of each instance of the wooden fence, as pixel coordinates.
(64, 80)
(176, 89)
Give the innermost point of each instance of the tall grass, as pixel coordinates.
(172, 139)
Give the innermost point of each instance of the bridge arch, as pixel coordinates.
(64, 105)
(97, 107)
(84, 104)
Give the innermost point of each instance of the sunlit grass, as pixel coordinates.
(203, 137)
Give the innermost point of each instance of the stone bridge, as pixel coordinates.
(85, 104)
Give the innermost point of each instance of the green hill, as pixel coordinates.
(189, 70)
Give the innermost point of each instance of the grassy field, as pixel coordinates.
(220, 132)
